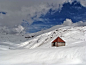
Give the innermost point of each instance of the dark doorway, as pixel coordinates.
(53, 44)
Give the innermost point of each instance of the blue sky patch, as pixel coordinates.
(74, 11)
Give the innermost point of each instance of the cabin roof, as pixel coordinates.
(58, 39)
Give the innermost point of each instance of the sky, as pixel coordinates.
(17, 10)
(14, 12)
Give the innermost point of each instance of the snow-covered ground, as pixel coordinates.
(37, 50)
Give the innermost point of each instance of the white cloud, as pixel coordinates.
(80, 23)
(17, 10)
(83, 2)
(19, 29)
(68, 22)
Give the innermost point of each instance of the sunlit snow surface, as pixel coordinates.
(16, 50)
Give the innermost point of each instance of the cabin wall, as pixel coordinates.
(53, 44)
(57, 44)
(61, 44)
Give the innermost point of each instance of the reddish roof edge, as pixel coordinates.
(58, 39)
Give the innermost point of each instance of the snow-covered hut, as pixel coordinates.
(58, 42)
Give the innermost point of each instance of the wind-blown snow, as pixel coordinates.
(38, 50)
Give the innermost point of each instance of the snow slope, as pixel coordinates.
(38, 50)
(70, 35)
(9, 41)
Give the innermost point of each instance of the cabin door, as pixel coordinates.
(53, 44)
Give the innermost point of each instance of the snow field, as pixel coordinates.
(64, 55)
(38, 50)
